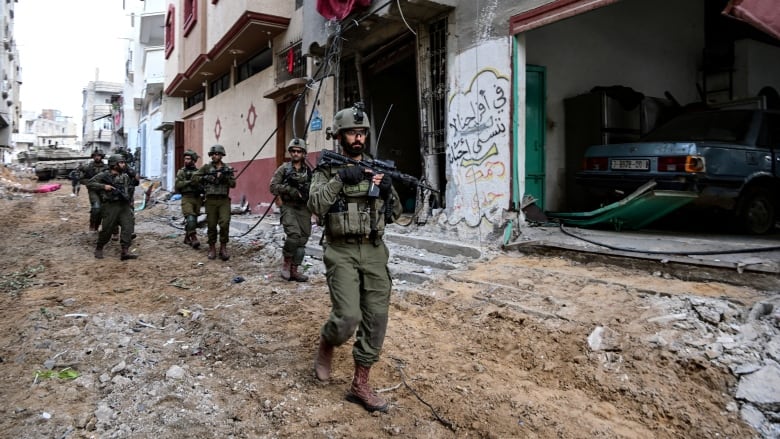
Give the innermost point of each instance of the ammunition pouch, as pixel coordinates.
(352, 222)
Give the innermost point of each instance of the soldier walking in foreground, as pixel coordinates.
(115, 188)
(217, 178)
(190, 198)
(290, 183)
(355, 256)
(86, 171)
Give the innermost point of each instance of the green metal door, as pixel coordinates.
(534, 133)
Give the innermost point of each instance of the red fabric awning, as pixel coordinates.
(761, 14)
(339, 9)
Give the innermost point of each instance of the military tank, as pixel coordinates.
(50, 162)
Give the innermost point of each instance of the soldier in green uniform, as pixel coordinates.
(354, 216)
(190, 198)
(290, 183)
(217, 178)
(86, 171)
(115, 188)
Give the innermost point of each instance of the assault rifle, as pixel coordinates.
(376, 166)
(115, 190)
(121, 194)
(302, 189)
(224, 172)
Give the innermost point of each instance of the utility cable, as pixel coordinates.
(676, 253)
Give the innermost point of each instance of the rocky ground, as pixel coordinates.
(173, 345)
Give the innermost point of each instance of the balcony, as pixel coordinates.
(152, 30)
(154, 66)
(250, 32)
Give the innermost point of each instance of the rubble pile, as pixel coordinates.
(16, 178)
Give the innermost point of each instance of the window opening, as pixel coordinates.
(290, 63)
(254, 65)
(219, 85)
(190, 15)
(194, 99)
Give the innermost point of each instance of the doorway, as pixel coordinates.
(535, 116)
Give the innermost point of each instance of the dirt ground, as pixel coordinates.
(169, 346)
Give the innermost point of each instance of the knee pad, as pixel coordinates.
(300, 252)
(192, 222)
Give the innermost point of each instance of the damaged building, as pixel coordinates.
(490, 103)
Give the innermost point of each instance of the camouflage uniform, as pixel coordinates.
(291, 185)
(355, 257)
(217, 189)
(356, 261)
(190, 201)
(116, 210)
(86, 172)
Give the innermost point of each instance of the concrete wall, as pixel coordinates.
(757, 65)
(478, 134)
(651, 46)
(224, 14)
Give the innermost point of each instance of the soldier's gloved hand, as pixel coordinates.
(385, 186)
(352, 175)
(292, 192)
(211, 179)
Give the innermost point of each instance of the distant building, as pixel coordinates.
(52, 129)
(142, 107)
(10, 80)
(98, 123)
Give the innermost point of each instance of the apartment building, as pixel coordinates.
(470, 96)
(10, 81)
(97, 114)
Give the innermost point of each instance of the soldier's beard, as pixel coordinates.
(354, 149)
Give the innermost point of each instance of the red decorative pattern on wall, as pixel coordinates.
(251, 118)
(217, 128)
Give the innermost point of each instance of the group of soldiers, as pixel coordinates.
(111, 187)
(351, 201)
(208, 186)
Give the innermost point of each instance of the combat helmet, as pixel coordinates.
(99, 152)
(348, 118)
(217, 149)
(297, 143)
(114, 159)
(192, 154)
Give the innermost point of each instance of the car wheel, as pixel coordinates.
(756, 214)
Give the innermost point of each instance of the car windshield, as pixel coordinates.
(717, 126)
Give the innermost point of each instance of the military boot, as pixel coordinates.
(361, 393)
(323, 360)
(297, 275)
(194, 240)
(212, 251)
(223, 252)
(99, 252)
(125, 255)
(286, 267)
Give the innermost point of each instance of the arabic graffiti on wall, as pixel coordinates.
(478, 149)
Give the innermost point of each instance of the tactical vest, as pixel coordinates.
(190, 188)
(354, 214)
(218, 188)
(122, 182)
(92, 169)
(298, 179)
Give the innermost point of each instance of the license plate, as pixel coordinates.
(631, 164)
